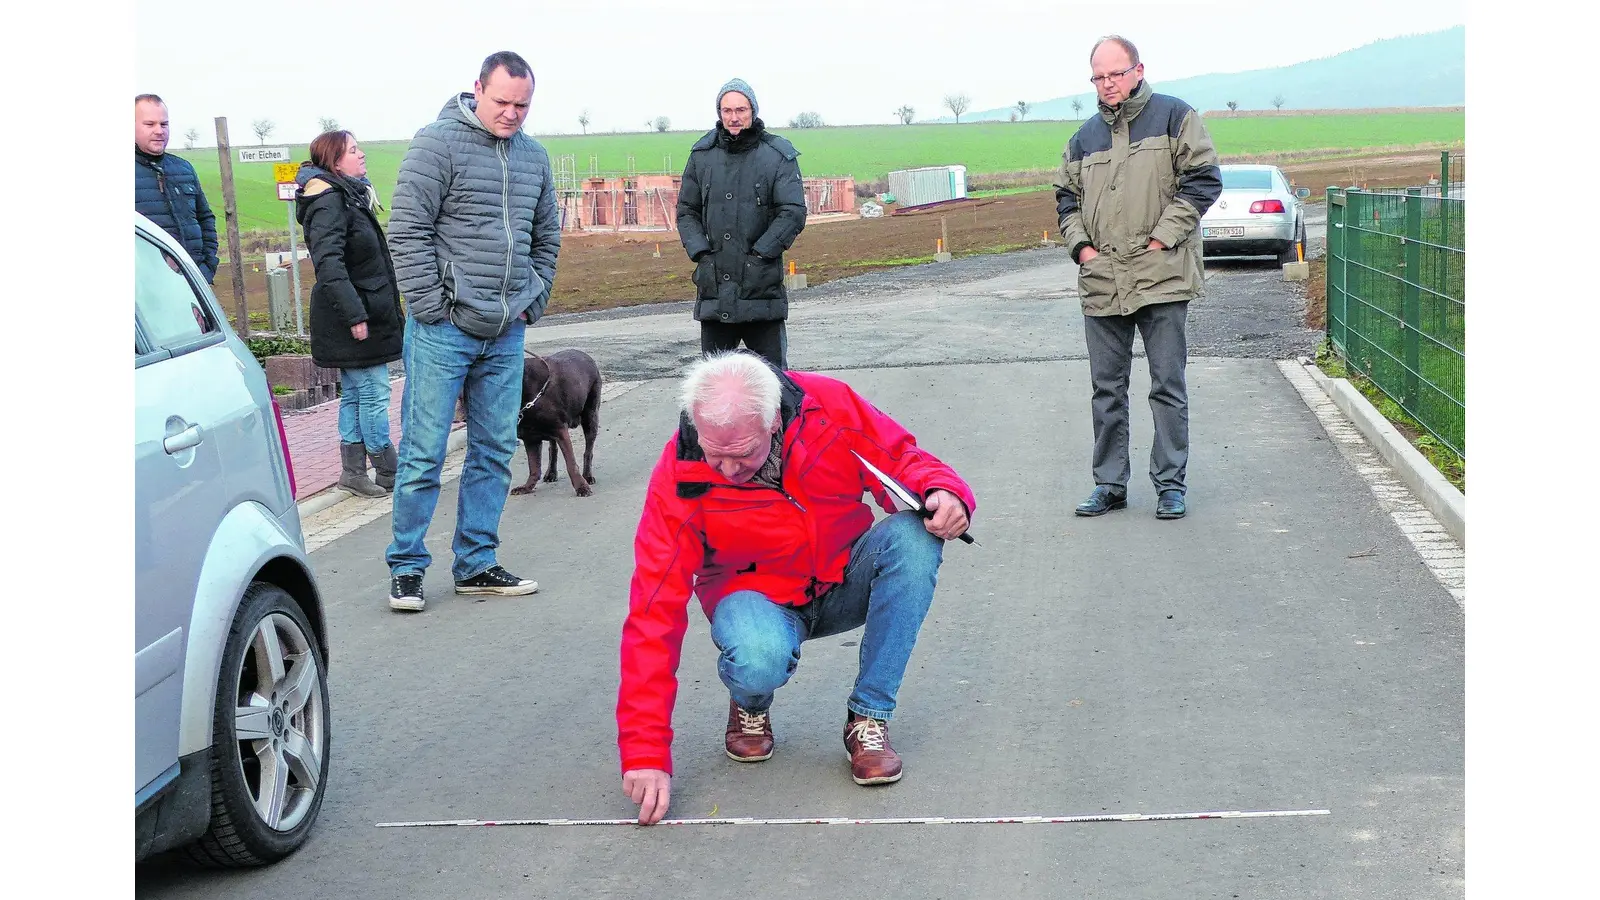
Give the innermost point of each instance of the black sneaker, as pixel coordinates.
(405, 592)
(496, 580)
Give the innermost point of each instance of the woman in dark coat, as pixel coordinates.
(357, 324)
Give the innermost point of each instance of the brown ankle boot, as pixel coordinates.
(749, 735)
(872, 760)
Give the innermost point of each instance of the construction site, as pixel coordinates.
(648, 201)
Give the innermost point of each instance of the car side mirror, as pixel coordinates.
(1302, 192)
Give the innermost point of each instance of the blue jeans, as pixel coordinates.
(441, 359)
(364, 407)
(888, 586)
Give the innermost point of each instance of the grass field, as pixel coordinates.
(868, 153)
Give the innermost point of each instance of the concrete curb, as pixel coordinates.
(1441, 498)
(333, 496)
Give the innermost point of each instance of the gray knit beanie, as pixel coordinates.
(738, 84)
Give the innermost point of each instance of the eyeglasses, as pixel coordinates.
(1101, 79)
(735, 111)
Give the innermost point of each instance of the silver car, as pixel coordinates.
(1257, 214)
(231, 727)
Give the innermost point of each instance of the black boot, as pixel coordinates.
(353, 476)
(385, 464)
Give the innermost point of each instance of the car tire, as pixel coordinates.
(1289, 252)
(291, 723)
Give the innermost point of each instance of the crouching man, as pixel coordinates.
(755, 506)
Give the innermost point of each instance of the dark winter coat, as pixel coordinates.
(167, 192)
(741, 205)
(355, 276)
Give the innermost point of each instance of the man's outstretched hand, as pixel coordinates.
(949, 519)
(651, 789)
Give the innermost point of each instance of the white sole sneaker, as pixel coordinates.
(407, 604)
(518, 590)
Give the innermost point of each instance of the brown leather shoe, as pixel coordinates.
(872, 760)
(749, 735)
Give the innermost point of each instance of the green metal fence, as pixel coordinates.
(1452, 173)
(1396, 289)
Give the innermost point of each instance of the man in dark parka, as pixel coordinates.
(741, 205)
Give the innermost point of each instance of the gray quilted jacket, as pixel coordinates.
(474, 228)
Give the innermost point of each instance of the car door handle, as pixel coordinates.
(183, 440)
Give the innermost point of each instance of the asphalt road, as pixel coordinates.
(1250, 656)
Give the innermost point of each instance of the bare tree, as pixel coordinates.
(905, 114)
(1233, 106)
(583, 119)
(1277, 102)
(1022, 108)
(328, 123)
(190, 137)
(806, 120)
(1077, 107)
(263, 128)
(662, 123)
(957, 103)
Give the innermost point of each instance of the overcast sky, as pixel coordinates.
(384, 69)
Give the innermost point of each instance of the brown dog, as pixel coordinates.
(559, 392)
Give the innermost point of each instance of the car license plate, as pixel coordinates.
(1222, 232)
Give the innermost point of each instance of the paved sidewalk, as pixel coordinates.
(326, 525)
(314, 441)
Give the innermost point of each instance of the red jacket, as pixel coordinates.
(702, 534)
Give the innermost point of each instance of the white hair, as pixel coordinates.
(729, 387)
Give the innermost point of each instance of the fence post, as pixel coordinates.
(1411, 309)
(1333, 314)
(1333, 276)
(1444, 193)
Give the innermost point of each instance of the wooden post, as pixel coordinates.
(230, 213)
(944, 235)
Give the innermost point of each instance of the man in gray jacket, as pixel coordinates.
(1135, 181)
(474, 234)
(740, 206)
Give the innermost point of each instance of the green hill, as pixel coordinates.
(1418, 70)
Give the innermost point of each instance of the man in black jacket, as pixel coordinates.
(741, 205)
(165, 188)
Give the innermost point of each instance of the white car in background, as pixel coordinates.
(1257, 214)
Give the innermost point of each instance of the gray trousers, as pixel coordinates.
(1110, 340)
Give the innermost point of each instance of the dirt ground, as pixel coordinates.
(1391, 170)
(610, 270)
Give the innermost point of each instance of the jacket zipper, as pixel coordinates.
(505, 213)
(761, 487)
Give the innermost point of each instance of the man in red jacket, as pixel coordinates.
(755, 506)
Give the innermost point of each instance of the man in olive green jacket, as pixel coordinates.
(1135, 181)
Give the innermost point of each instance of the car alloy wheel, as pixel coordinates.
(271, 735)
(280, 722)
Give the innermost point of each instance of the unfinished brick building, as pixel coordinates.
(650, 202)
